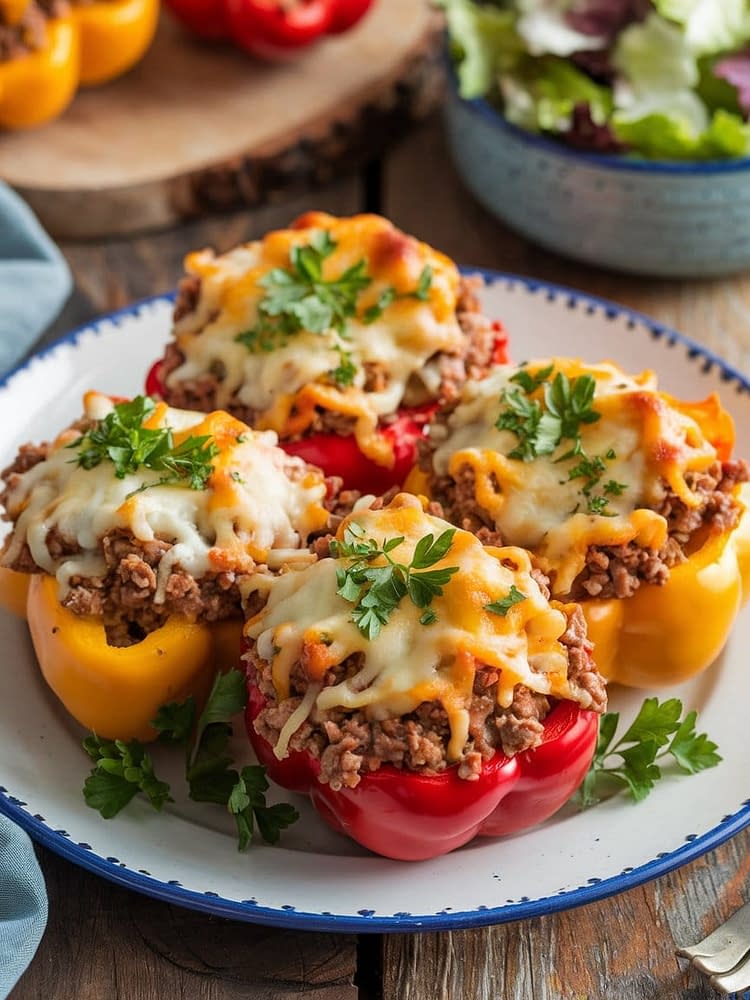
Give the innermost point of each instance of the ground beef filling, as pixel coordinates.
(123, 596)
(350, 744)
(611, 571)
(473, 361)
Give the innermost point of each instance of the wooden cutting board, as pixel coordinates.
(199, 127)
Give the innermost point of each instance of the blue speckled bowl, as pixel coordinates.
(655, 218)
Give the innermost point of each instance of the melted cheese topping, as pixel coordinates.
(652, 441)
(305, 621)
(284, 386)
(259, 504)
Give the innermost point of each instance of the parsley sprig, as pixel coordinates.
(540, 426)
(504, 604)
(121, 438)
(376, 591)
(389, 295)
(124, 769)
(299, 298)
(632, 762)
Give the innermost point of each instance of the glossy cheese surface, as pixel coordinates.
(305, 621)
(647, 444)
(258, 504)
(285, 385)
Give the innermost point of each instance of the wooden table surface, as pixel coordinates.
(104, 942)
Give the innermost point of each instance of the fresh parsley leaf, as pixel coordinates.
(121, 438)
(633, 761)
(247, 803)
(530, 383)
(389, 295)
(345, 372)
(300, 298)
(422, 291)
(121, 770)
(376, 591)
(503, 606)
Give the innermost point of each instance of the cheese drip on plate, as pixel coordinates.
(645, 444)
(306, 622)
(284, 384)
(257, 502)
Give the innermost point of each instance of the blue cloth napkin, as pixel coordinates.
(23, 904)
(34, 283)
(34, 279)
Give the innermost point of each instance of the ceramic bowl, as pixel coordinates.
(646, 217)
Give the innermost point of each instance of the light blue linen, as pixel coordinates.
(34, 283)
(34, 279)
(23, 904)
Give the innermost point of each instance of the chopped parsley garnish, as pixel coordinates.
(123, 769)
(389, 295)
(503, 606)
(632, 763)
(121, 438)
(344, 373)
(541, 426)
(376, 591)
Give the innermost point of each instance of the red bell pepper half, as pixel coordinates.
(413, 817)
(269, 28)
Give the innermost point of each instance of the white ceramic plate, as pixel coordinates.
(316, 879)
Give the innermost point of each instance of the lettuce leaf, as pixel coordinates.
(666, 136)
(709, 26)
(543, 97)
(484, 42)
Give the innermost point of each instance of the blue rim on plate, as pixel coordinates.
(694, 846)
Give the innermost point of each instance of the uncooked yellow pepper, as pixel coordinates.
(91, 44)
(117, 691)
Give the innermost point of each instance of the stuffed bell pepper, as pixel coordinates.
(340, 334)
(48, 48)
(419, 686)
(137, 528)
(628, 499)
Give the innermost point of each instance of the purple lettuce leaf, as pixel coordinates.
(606, 18)
(735, 69)
(586, 134)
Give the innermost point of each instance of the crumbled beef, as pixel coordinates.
(351, 743)
(609, 571)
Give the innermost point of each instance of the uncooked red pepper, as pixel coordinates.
(412, 817)
(117, 690)
(340, 455)
(91, 44)
(269, 28)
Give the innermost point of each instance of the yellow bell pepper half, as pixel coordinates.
(664, 635)
(117, 691)
(92, 44)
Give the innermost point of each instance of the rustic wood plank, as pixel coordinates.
(247, 133)
(619, 948)
(104, 942)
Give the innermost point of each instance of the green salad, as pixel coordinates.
(660, 79)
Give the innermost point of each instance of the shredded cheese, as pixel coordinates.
(250, 509)
(651, 446)
(284, 386)
(409, 662)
